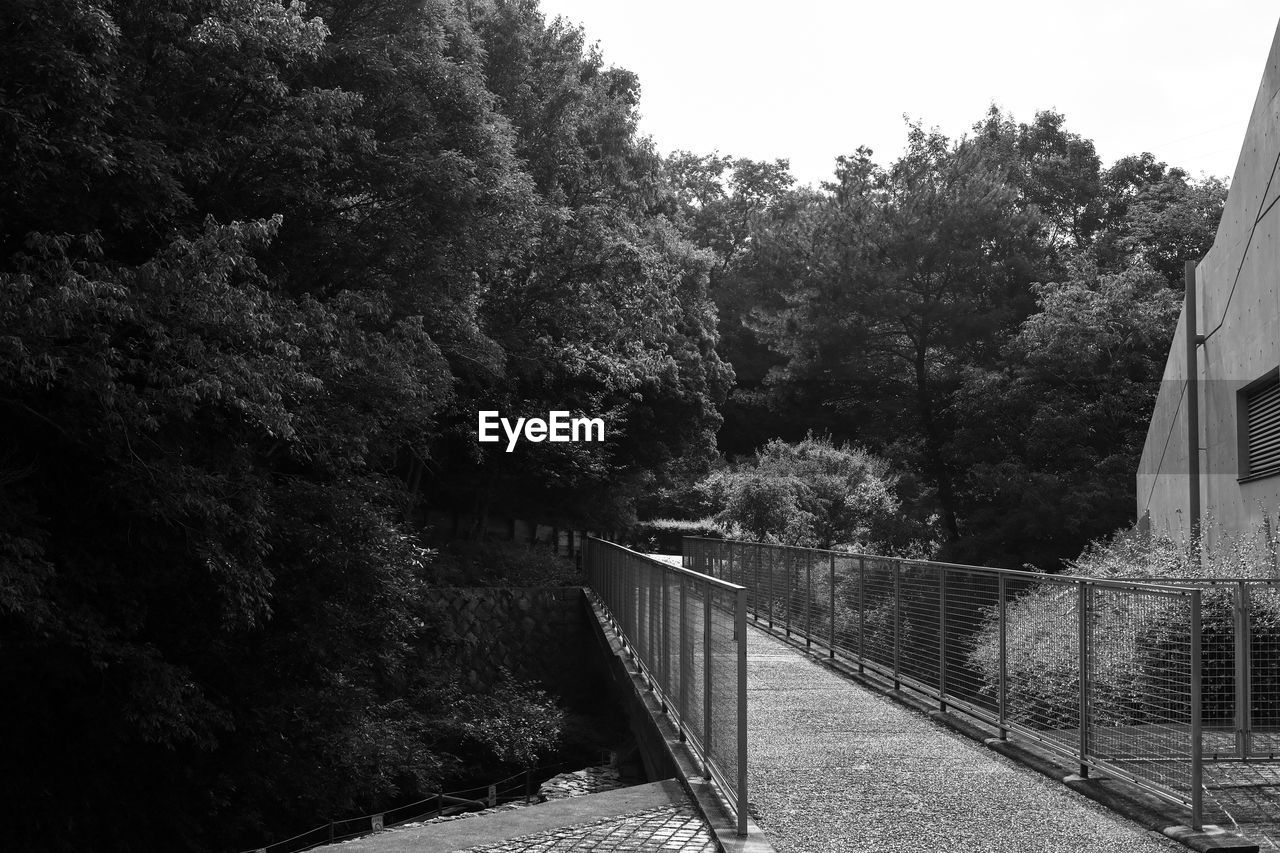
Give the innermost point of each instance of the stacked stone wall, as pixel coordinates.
(537, 633)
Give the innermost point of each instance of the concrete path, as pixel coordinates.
(834, 767)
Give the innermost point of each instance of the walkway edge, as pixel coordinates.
(704, 795)
(1130, 801)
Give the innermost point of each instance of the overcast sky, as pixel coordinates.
(810, 79)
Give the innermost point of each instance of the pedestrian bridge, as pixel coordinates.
(786, 671)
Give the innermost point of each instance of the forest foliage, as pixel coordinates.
(262, 262)
(260, 265)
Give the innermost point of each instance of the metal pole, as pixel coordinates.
(706, 678)
(942, 638)
(808, 603)
(1197, 748)
(1004, 659)
(1246, 667)
(1240, 619)
(862, 614)
(665, 644)
(771, 562)
(1082, 596)
(740, 624)
(1193, 413)
(682, 700)
(788, 565)
(831, 611)
(897, 622)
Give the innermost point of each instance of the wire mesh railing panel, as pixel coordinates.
(842, 593)
(686, 631)
(878, 618)
(1262, 727)
(1007, 647)
(1139, 703)
(972, 602)
(722, 657)
(1041, 658)
(693, 696)
(918, 620)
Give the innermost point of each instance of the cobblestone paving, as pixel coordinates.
(668, 828)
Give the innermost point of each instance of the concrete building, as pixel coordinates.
(1237, 300)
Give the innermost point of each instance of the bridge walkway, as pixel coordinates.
(836, 767)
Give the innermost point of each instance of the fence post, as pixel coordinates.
(1197, 748)
(665, 643)
(1240, 613)
(1082, 596)
(862, 614)
(788, 566)
(706, 678)
(740, 624)
(897, 623)
(771, 562)
(682, 699)
(808, 603)
(1004, 659)
(942, 638)
(831, 612)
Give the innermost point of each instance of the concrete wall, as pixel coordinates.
(1238, 294)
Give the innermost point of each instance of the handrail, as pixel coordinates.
(686, 632)
(1107, 672)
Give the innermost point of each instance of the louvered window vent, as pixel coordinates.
(1261, 410)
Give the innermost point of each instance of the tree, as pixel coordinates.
(894, 282)
(1051, 437)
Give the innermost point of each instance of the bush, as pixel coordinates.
(664, 535)
(813, 493)
(1136, 640)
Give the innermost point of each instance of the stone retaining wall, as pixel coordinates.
(538, 633)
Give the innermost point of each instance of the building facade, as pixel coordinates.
(1235, 384)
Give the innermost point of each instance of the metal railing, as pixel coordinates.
(687, 633)
(1106, 673)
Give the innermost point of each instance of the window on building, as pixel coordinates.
(1260, 433)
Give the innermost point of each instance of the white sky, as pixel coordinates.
(810, 79)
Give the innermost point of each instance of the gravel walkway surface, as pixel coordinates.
(834, 767)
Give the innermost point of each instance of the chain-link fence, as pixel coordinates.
(1107, 673)
(687, 633)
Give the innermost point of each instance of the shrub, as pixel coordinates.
(1137, 641)
(813, 493)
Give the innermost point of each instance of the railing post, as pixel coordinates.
(1082, 595)
(664, 643)
(831, 611)
(1003, 685)
(1240, 616)
(740, 626)
(682, 699)
(897, 623)
(1197, 747)
(808, 603)
(942, 638)
(706, 677)
(788, 558)
(771, 562)
(862, 614)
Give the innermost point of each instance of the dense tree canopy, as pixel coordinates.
(260, 265)
(991, 314)
(262, 262)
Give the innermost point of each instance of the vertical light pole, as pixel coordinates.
(1193, 412)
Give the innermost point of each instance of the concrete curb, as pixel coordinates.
(709, 802)
(1124, 798)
